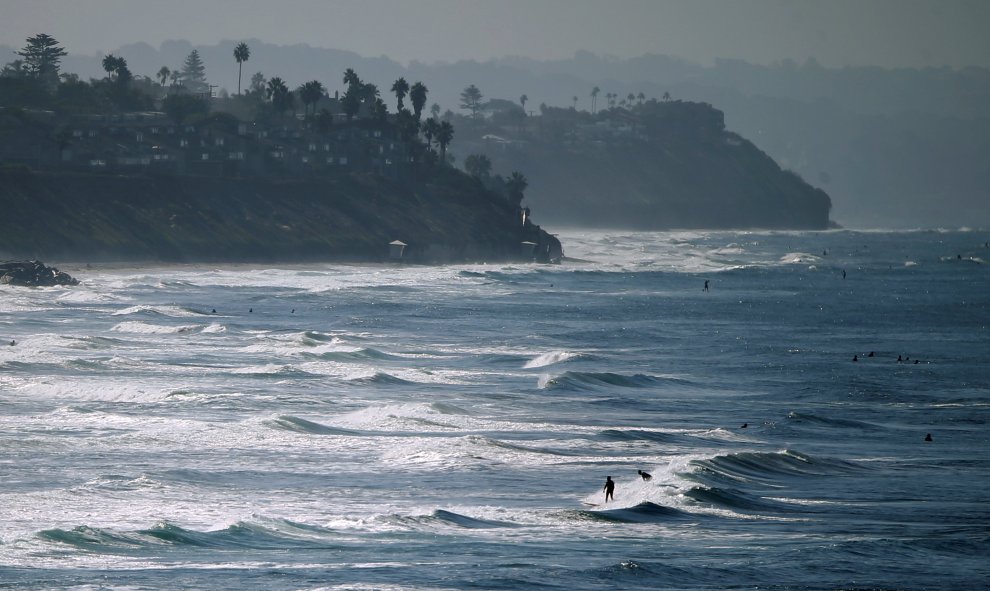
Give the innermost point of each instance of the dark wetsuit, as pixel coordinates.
(609, 489)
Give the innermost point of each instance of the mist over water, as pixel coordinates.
(411, 427)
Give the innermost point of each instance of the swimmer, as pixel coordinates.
(855, 357)
(744, 425)
(928, 437)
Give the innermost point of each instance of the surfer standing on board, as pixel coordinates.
(609, 488)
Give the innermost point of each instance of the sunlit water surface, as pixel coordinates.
(411, 427)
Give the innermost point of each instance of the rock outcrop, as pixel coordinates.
(33, 274)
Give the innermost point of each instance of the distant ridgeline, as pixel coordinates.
(653, 165)
(140, 186)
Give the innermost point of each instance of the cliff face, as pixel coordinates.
(660, 165)
(83, 217)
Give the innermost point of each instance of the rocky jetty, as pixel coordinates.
(34, 274)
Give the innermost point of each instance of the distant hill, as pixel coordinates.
(652, 166)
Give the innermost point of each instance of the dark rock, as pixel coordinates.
(33, 274)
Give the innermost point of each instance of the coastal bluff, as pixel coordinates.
(78, 216)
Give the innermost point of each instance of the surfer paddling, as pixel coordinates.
(609, 488)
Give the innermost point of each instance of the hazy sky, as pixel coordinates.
(836, 32)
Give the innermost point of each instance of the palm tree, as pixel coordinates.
(516, 184)
(417, 94)
(163, 75)
(630, 98)
(431, 127)
(241, 54)
(351, 77)
(110, 64)
(666, 96)
(379, 111)
(401, 88)
(575, 99)
(641, 97)
(522, 101)
(310, 94)
(278, 93)
(435, 110)
(444, 135)
(594, 98)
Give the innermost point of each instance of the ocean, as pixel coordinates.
(353, 427)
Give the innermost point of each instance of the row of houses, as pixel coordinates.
(219, 145)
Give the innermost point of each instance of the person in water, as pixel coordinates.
(928, 437)
(706, 285)
(645, 475)
(609, 488)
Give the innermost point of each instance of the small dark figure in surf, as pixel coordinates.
(871, 354)
(928, 437)
(916, 362)
(843, 273)
(250, 310)
(213, 311)
(609, 488)
(645, 475)
(855, 357)
(706, 285)
(744, 425)
(899, 359)
(12, 342)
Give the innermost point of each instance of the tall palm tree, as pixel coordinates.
(641, 97)
(241, 54)
(444, 135)
(575, 99)
(401, 88)
(163, 75)
(594, 98)
(417, 94)
(522, 101)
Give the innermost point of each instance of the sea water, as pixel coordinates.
(451, 427)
